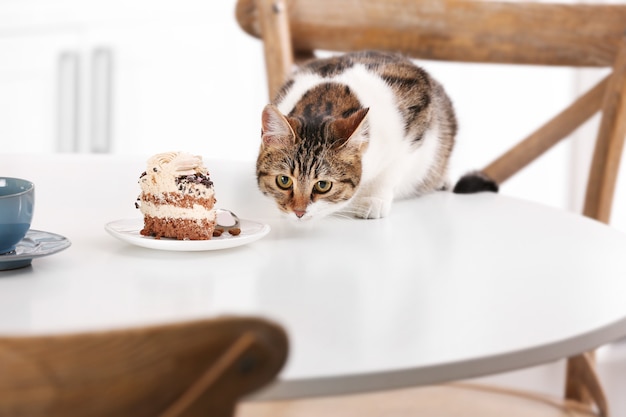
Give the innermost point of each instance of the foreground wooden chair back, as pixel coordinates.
(198, 368)
(577, 35)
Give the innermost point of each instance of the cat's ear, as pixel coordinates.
(352, 131)
(276, 129)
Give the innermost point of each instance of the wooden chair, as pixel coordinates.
(196, 368)
(576, 35)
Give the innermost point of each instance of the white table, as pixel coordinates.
(447, 287)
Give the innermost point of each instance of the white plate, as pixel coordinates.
(127, 230)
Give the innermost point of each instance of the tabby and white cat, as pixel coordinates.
(352, 133)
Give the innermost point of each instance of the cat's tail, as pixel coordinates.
(475, 182)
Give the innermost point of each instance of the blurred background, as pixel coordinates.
(145, 76)
(148, 76)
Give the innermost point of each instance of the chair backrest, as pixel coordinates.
(196, 368)
(579, 35)
(521, 32)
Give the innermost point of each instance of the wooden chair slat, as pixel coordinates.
(455, 30)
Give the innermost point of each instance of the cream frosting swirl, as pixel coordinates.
(176, 163)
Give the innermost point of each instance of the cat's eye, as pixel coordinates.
(284, 182)
(322, 186)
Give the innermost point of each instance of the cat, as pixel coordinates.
(351, 133)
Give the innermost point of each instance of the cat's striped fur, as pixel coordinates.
(351, 133)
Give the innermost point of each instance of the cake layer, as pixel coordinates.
(181, 229)
(197, 212)
(178, 200)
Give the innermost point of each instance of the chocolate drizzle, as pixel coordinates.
(194, 179)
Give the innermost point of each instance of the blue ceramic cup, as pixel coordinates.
(17, 202)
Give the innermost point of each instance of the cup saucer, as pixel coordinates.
(35, 244)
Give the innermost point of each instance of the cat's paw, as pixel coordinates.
(372, 207)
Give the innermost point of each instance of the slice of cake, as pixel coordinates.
(177, 198)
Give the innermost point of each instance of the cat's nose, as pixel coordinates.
(300, 213)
